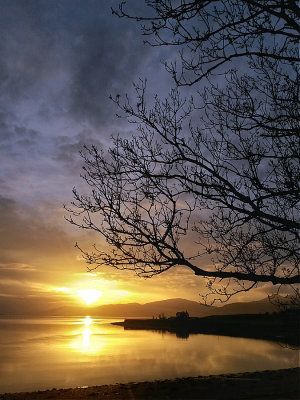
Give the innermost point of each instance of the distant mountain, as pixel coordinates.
(166, 307)
(171, 306)
(117, 310)
(252, 307)
(153, 309)
(107, 310)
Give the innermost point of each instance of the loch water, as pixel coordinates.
(60, 352)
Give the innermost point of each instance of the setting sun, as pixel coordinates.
(89, 295)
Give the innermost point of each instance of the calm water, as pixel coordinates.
(43, 353)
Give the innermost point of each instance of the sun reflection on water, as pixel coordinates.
(87, 321)
(89, 340)
(86, 341)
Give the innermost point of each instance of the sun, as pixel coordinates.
(90, 296)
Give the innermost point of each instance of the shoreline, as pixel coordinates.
(280, 384)
(279, 327)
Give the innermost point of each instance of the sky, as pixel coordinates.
(59, 62)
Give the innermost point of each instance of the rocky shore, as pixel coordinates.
(266, 385)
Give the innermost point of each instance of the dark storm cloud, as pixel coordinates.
(59, 62)
(69, 148)
(100, 54)
(14, 138)
(26, 49)
(109, 60)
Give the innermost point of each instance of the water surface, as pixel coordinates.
(42, 353)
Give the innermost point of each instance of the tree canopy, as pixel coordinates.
(219, 168)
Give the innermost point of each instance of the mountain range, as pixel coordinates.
(168, 308)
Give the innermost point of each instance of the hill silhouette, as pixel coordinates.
(169, 308)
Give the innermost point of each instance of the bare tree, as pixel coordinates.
(212, 33)
(220, 168)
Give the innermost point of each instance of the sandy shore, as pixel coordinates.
(272, 385)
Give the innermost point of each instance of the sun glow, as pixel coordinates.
(90, 296)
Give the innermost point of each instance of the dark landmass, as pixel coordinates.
(279, 327)
(266, 385)
(168, 308)
(16, 307)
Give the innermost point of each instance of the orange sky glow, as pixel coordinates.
(41, 270)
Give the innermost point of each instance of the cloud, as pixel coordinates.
(57, 69)
(17, 267)
(27, 49)
(16, 141)
(21, 289)
(69, 57)
(68, 148)
(110, 59)
(25, 236)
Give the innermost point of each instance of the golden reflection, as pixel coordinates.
(87, 321)
(86, 342)
(89, 340)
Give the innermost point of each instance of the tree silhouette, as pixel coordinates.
(219, 168)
